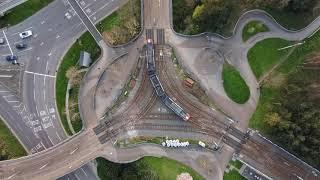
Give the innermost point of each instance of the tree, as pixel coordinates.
(272, 119)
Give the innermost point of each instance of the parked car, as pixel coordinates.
(2, 41)
(25, 34)
(11, 58)
(21, 45)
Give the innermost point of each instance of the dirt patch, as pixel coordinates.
(204, 163)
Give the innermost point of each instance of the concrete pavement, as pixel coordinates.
(92, 119)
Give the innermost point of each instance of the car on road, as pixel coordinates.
(2, 41)
(25, 34)
(21, 45)
(11, 58)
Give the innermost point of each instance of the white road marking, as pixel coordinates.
(8, 96)
(34, 90)
(58, 136)
(87, 5)
(28, 28)
(100, 9)
(3, 76)
(13, 175)
(50, 54)
(58, 36)
(43, 145)
(74, 150)
(47, 75)
(76, 176)
(84, 172)
(41, 43)
(43, 166)
(47, 66)
(44, 86)
(42, 22)
(38, 58)
(13, 101)
(50, 140)
(7, 41)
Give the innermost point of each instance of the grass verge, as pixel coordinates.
(145, 168)
(122, 25)
(22, 12)
(265, 54)
(71, 58)
(233, 175)
(234, 85)
(253, 28)
(10, 147)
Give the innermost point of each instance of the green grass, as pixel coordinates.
(22, 12)
(10, 147)
(109, 22)
(236, 163)
(265, 54)
(269, 92)
(233, 175)
(71, 58)
(166, 169)
(268, 95)
(253, 28)
(234, 85)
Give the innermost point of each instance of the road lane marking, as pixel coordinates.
(7, 41)
(76, 176)
(84, 172)
(100, 8)
(74, 150)
(58, 136)
(43, 166)
(13, 175)
(50, 140)
(39, 74)
(42, 22)
(8, 76)
(43, 145)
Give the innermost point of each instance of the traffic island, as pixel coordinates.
(253, 28)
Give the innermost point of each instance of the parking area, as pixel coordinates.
(11, 44)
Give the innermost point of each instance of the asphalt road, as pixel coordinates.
(59, 159)
(33, 117)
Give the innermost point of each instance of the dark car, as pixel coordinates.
(11, 58)
(21, 45)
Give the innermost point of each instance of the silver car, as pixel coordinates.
(25, 34)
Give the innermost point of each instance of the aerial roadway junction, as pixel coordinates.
(53, 155)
